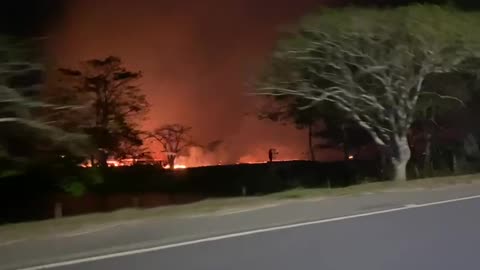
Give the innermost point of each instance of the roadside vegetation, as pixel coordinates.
(78, 224)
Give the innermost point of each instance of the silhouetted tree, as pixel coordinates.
(289, 110)
(116, 104)
(174, 138)
(323, 121)
(443, 95)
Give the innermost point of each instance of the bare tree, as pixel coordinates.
(371, 65)
(174, 138)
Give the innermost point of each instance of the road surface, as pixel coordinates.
(442, 236)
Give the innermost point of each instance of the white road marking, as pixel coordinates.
(240, 234)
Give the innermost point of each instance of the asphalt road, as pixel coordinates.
(437, 237)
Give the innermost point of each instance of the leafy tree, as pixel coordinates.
(440, 106)
(445, 121)
(28, 133)
(371, 64)
(117, 104)
(174, 138)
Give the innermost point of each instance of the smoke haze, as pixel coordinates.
(196, 57)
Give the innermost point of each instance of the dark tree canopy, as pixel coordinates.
(116, 104)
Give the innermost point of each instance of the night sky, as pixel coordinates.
(196, 57)
(29, 17)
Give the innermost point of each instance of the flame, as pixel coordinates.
(176, 166)
(119, 162)
(199, 157)
(129, 162)
(113, 163)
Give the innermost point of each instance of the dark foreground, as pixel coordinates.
(435, 237)
(155, 186)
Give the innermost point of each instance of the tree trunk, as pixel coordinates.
(310, 142)
(400, 157)
(416, 171)
(171, 161)
(427, 161)
(428, 134)
(382, 162)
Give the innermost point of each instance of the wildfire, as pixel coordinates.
(113, 163)
(176, 166)
(129, 162)
(125, 162)
(251, 162)
(187, 162)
